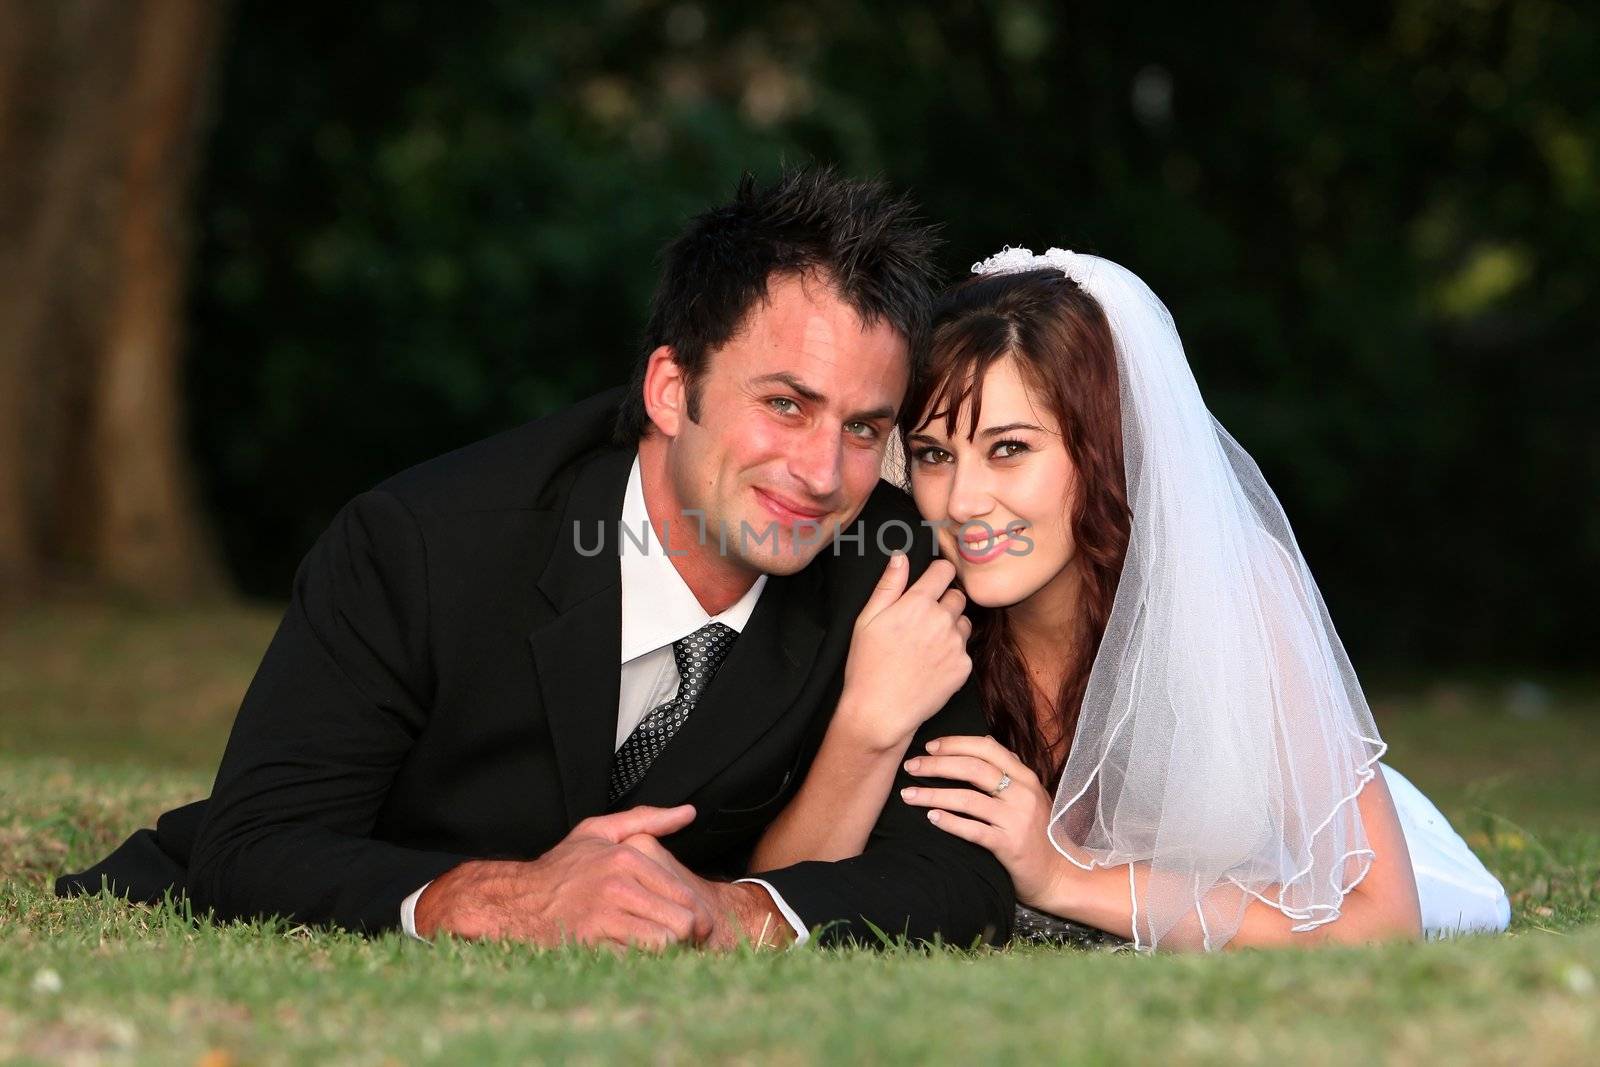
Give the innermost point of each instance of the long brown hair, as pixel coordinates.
(1059, 336)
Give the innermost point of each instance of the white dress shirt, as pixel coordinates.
(657, 609)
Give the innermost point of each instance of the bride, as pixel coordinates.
(1147, 643)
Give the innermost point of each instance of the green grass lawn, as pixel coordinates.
(109, 715)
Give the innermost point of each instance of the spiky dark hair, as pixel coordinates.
(867, 242)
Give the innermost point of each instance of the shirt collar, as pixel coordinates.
(657, 607)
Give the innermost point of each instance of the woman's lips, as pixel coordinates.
(786, 510)
(985, 547)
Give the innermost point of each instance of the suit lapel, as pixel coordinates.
(755, 686)
(578, 653)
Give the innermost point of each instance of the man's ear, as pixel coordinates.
(666, 393)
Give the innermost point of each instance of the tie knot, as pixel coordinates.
(699, 655)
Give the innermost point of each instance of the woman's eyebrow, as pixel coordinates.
(1008, 427)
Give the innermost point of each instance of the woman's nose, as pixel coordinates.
(970, 496)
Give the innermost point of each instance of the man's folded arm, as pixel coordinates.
(335, 707)
(913, 879)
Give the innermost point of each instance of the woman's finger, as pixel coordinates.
(888, 589)
(935, 580)
(979, 833)
(979, 773)
(966, 801)
(954, 601)
(985, 748)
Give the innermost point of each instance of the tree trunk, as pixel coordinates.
(100, 106)
(149, 533)
(17, 558)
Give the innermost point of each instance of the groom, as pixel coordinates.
(554, 685)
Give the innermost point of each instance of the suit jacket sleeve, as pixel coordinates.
(335, 707)
(913, 879)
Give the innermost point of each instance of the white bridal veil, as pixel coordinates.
(1223, 736)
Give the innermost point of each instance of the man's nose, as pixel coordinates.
(818, 464)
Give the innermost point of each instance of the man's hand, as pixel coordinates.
(742, 911)
(592, 888)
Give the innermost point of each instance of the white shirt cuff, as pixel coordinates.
(801, 933)
(408, 913)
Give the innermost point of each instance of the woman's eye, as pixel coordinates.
(783, 405)
(1009, 449)
(930, 455)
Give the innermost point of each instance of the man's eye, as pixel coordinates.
(783, 405)
(861, 429)
(1009, 449)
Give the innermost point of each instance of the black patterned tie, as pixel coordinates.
(698, 655)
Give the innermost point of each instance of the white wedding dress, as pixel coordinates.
(1457, 893)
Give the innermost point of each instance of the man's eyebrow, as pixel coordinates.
(793, 384)
(805, 392)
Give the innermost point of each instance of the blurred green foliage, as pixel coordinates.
(1376, 225)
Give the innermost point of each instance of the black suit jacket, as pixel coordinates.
(444, 686)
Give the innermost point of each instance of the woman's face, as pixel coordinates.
(1004, 498)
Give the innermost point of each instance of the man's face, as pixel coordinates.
(794, 412)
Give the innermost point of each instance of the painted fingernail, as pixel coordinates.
(933, 746)
(913, 765)
(908, 793)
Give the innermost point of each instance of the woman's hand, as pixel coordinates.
(908, 655)
(1007, 811)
